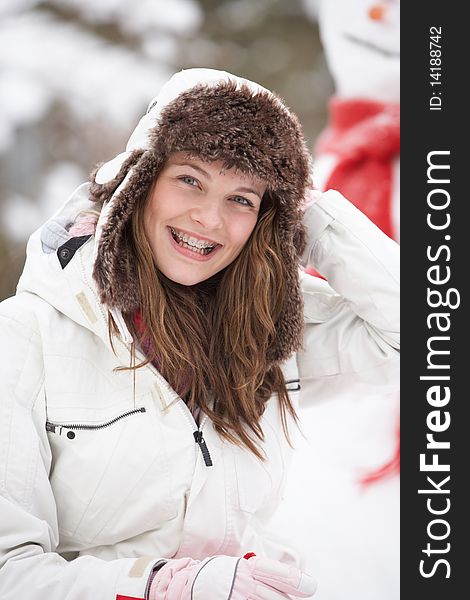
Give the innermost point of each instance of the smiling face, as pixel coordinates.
(199, 217)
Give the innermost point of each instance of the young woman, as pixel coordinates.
(153, 355)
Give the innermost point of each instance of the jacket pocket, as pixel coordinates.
(103, 473)
(260, 483)
(254, 483)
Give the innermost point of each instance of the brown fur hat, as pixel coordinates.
(247, 128)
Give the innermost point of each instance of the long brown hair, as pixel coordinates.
(211, 340)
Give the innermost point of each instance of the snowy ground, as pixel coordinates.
(347, 533)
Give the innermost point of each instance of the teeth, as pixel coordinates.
(193, 244)
(192, 241)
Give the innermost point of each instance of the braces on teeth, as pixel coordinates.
(191, 243)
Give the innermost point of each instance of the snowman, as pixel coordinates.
(358, 152)
(345, 520)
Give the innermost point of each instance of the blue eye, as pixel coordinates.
(241, 200)
(189, 180)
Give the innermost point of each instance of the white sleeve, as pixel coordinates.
(30, 567)
(352, 320)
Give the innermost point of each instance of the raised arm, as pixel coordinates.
(352, 318)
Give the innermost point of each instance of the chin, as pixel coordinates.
(186, 279)
(189, 281)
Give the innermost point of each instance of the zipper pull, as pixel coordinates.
(53, 428)
(202, 445)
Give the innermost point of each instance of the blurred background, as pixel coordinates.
(76, 75)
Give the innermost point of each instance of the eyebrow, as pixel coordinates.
(195, 167)
(247, 190)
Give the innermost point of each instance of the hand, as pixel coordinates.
(230, 578)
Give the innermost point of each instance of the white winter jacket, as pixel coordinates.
(100, 474)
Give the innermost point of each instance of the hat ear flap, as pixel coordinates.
(299, 238)
(114, 269)
(290, 325)
(102, 192)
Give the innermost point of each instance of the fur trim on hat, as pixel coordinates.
(252, 132)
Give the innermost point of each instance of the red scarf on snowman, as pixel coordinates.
(364, 135)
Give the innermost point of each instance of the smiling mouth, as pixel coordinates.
(184, 240)
(371, 46)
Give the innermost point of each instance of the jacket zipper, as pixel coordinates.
(197, 433)
(127, 339)
(203, 446)
(52, 427)
(197, 430)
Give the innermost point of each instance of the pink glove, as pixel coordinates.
(229, 578)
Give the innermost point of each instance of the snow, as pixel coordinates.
(47, 61)
(23, 100)
(67, 50)
(16, 6)
(178, 16)
(22, 215)
(347, 534)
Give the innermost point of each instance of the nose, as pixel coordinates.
(378, 11)
(208, 213)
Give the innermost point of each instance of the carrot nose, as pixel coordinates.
(377, 11)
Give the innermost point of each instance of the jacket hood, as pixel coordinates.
(212, 115)
(67, 285)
